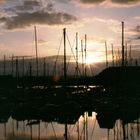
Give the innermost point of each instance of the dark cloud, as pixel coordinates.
(136, 32)
(137, 29)
(32, 3)
(34, 12)
(26, 5)
(21, 8)
(138, 37)
(91, 1)
(25, 19)
(125, 1)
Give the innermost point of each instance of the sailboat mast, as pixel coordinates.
(44, 67)
(85, 54)
(77, 55)
(112, 55)
(82, 58)
(23, 66)
(130, 57)
(4, 67)
(65, 67)
(12, 65)
(126, 54)
(122, 43)
(36, 51)
(106, 54)
(65, 76)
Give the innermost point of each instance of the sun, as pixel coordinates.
(92, 57)
(89, 59)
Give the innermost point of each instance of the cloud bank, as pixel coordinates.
(31, 12)
(136, 30)
(22, 20)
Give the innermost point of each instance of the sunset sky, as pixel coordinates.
(99, 19)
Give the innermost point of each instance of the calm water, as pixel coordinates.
(87, 127)
(40, 116)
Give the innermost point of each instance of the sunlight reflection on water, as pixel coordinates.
(87, 127)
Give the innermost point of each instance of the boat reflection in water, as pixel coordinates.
(70, 121)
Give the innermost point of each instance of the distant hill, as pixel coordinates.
(50, 66)
(119, 75)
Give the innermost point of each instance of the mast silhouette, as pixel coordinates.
(77, 55)
(65, 78)
(130, 57)
(122, 43)
(106, 54)
(85, 50)
(12, 65)
(36, 49)
(82, 58)
(65, 66)
(44, 67)
(112, 55)
(4, 66)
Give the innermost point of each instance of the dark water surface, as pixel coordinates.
(29, 116)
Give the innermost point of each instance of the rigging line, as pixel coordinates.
(71, 48)
(81, 133)
(54, 131)
(46, 126)
(83, 130)
(69, 135)
(68, 62)
(72, 129)
(80, 74)
(73, 53)
(58, 49)
(57, 56)
(93, 130)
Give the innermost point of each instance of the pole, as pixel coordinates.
(36, 51)
(82, 57)
(4, 67)
(48, 72)
(130, 57)
(112, 55)
(65, 70)
(106, 54)
(66, 132)
(122, 43)
(85, 54)
(23, 66)
(119, 57)
(12, 65)
(126, 55)
(30, 69)
(77, 55)
(17, 74)
(44, 67)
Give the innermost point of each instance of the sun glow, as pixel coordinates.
(94, 53)
(92, 58)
